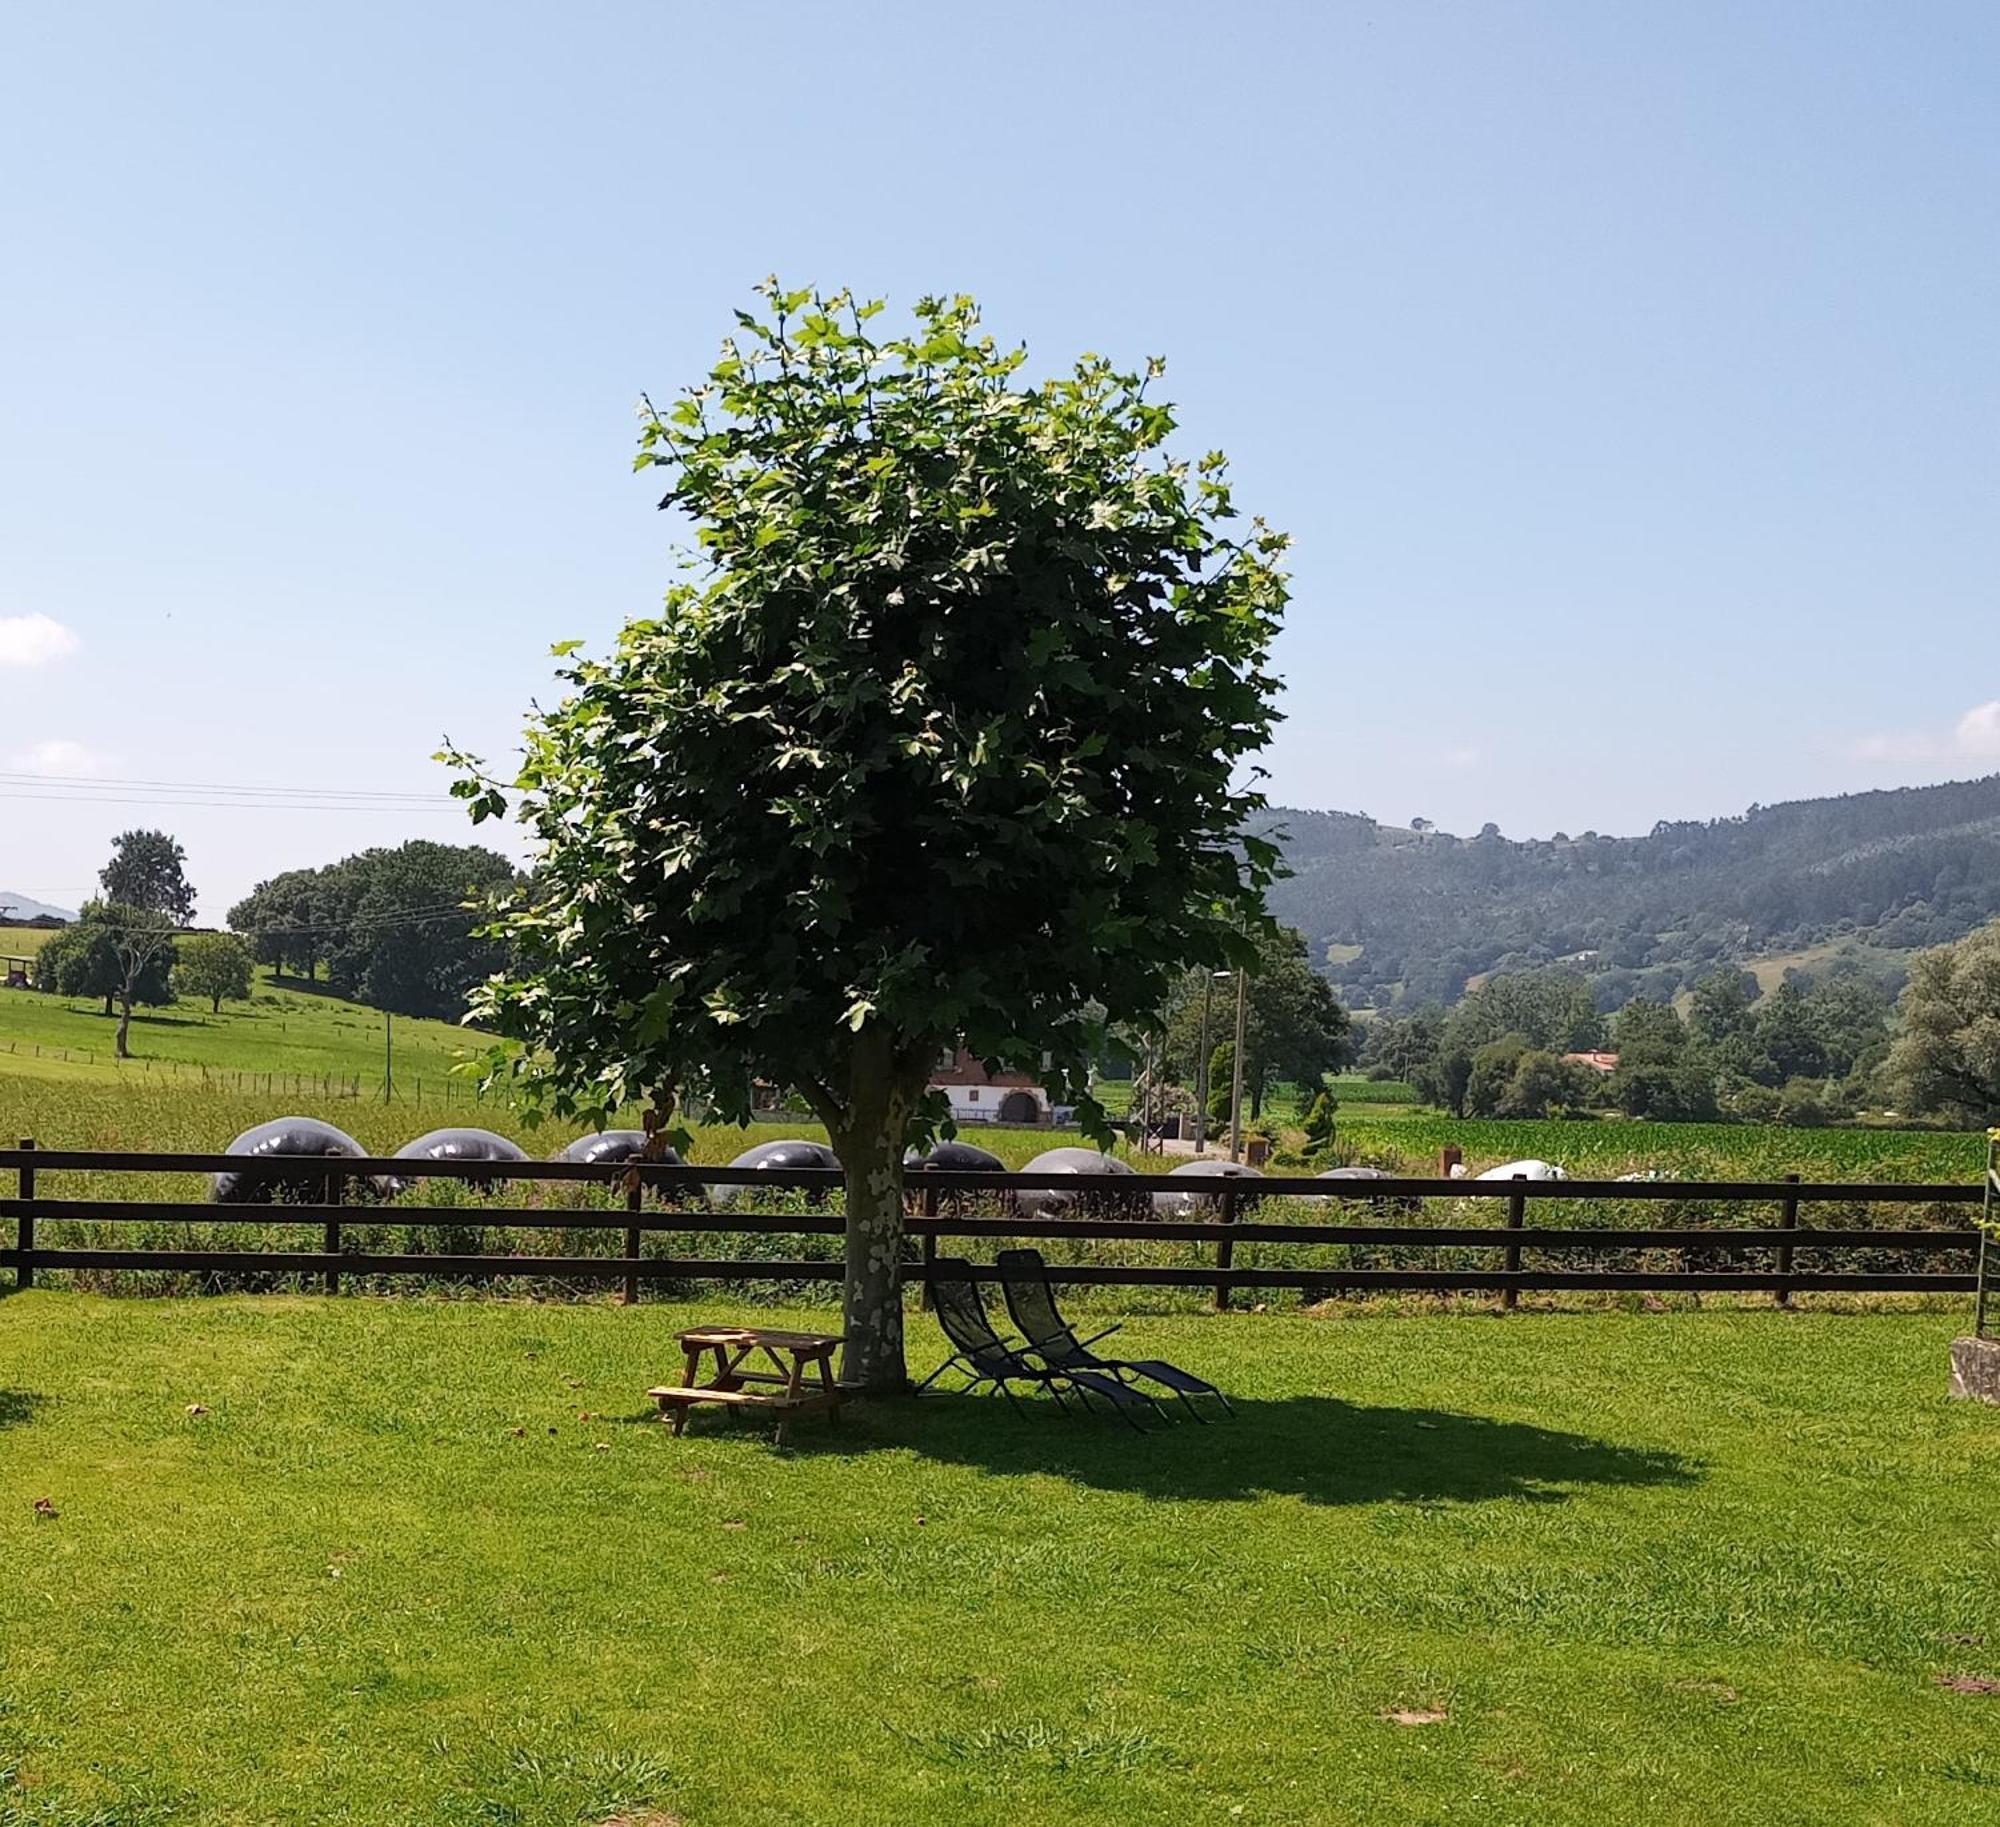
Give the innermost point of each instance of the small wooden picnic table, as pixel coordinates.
(756, 1367)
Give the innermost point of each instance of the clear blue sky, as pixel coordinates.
(1626, 373)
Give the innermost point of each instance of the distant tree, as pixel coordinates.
(1946, 1061)
(1668, 1088)
(1551, 1009)
(1801, 1105)
(215, 965)
(940, 742)
(1445, 1078)
(1491, 1073)
(92, 957)
(1402, 1045)
(1321, 1117)
(80, 961)
(395, 928)
(1719, 1007)
(411, 926)
(1296, 1027)
(1849, 1017)
(1645, 1029)
(1785, 1039)
(147, 871)
(286, 921)
(1542, 1084)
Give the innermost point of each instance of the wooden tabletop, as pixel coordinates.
(758, 1335)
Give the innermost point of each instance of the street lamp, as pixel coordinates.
(1236, 1086)
(1202, 1063)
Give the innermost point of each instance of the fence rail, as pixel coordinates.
(939, 1212)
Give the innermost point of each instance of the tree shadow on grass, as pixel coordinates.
(1320, 1448)
(17, 1407)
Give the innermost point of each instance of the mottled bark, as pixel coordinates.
(867, 1122)
(872, 1315)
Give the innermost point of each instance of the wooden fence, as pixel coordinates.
(969, 1209)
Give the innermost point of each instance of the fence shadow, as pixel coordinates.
(1320, 1448)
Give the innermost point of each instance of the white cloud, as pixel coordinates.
(1978, 732)
(34, 640)
(1975, 737)
(60, 759)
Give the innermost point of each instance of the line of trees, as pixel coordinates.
(1813, 1051)
(394, 928)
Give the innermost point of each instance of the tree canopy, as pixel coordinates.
(1296, 1028)
(1947, 1058)
(938, 738)
(214, 967)
(395, 928)
(84, 959)
(148, 871)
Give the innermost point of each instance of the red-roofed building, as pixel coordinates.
(979, 1096)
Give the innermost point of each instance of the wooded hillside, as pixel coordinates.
(1878, 874)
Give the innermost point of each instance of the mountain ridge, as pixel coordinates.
(1878, 874)
(17, 908)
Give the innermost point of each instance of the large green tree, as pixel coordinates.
(396, 928)
(87, 958)
(124, 954)
(1947, 1059)
(148, 870)
(215, 966)
(941, 737)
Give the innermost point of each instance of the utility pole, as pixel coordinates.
(388, 1056)
(1201, 1067)
(1236, 1086)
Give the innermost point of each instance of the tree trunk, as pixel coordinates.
(872, 1313)
(110, 1003)
(215, 1005)
(122, 1045)
(867, 1122)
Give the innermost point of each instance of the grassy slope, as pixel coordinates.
(25, 941)
(430, 1562)
(282, 1030)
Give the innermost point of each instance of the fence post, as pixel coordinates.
(1517, 1215)
(1225, 1251)
(1788, 1220)
(24, 1228)
(336, 1194)
(929, 1242)
(635, 1195)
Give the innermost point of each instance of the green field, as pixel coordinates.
(287, 1034)
(25, 941)
(368, 1562)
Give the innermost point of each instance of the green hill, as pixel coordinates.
(1413, 914)
(286, 1036)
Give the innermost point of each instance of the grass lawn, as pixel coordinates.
(370, 1561)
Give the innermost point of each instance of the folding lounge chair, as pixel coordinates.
(1032, 1302)
(982, 1357)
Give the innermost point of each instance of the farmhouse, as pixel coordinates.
(979, 1096)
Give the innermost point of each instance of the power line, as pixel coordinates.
(88, 790)
(212, 805)
(215, 786)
